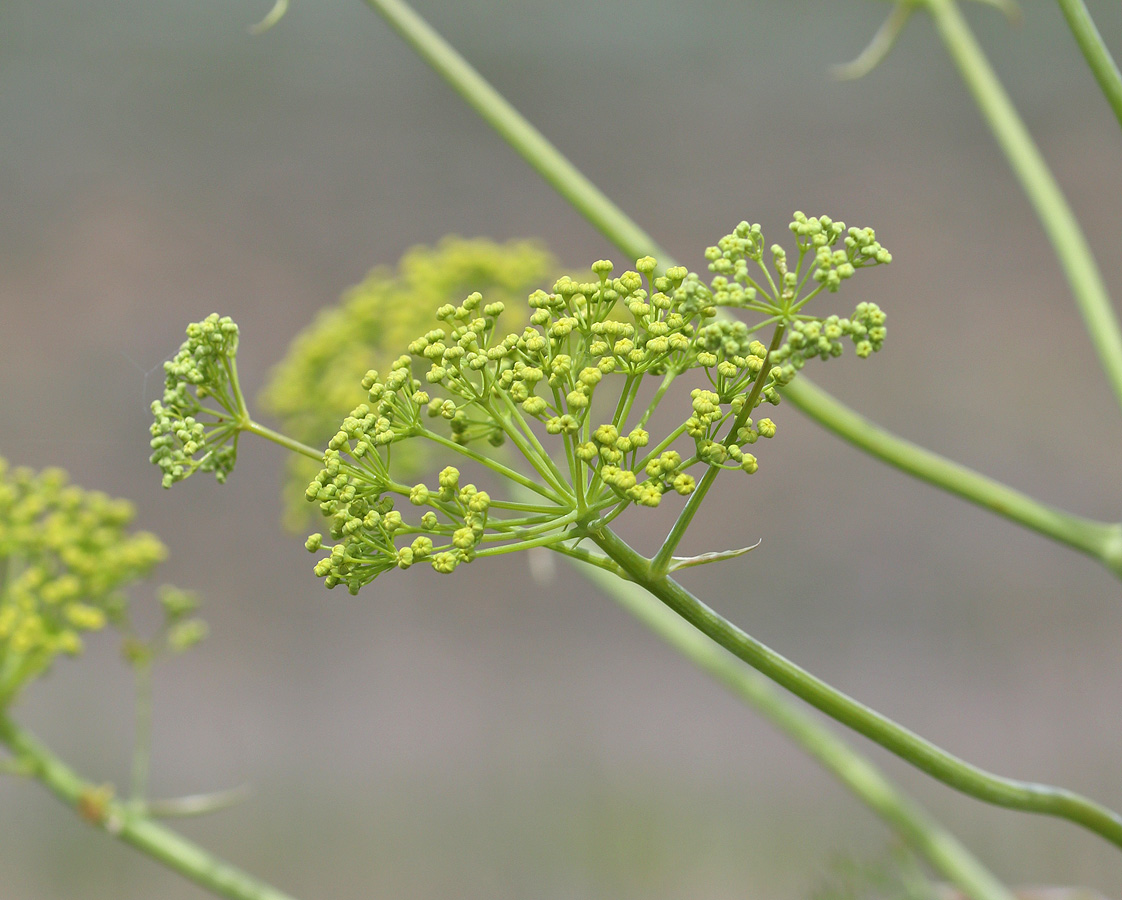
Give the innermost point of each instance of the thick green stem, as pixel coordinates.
(1097, 539)
(927, 838)
(918, 751)
(120, 821)
(1044, 193)
(1095, 52)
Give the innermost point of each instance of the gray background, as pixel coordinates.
(485, 737)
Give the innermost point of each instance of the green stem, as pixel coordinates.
(923, 834)
(1098, 540)
(545, 540)
(498, 468)
(561, 174)
(596, 560)
(541, 459)
(918, 751)
(661, 562)
(667, 380)
(142, 743)
(284, 440)
(1052, 208)
(118, 820)
(1095, 52)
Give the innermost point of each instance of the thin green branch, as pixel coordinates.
(1098, 540)
(142, 740)
(596, 560)
(538, 457)
(284, 440)
(909, 746)
(880, 45)
(923, 834)
(549, 493)
(1095, 52)
(661, 563)
(94, 804)
(561, 174)
(1060, 224)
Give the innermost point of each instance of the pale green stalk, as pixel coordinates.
(283, 439)
(562, 175)
(1098, 540)
(925, 836)
(121, 821)
(661, 562)
(1095, 52)
(909, 746)
(499, 468)
(142, 741)
(1060, 224)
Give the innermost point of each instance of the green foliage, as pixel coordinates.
(583, 355)
(187, 435)
(65, 558)
(317, 382)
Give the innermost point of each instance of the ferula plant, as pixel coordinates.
(568, 391)
(542, 421)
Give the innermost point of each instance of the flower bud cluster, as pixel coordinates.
(317, 382)
(833, 266)
(189, 435)
(65, 557)
(562, 389)
(374, 537)
(822, 338)
(585, 350)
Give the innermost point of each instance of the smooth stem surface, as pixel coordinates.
(926, 837)
(1095, 52)
(142, 741)
(162, 844)
(282, 439)
(1060, 224)
(912, 748)
(561, 174)
(1097, 539)
(661, 562)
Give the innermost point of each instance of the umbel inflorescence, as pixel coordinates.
(369, 326)
(564, 393)
(188, 435)
(65, 559)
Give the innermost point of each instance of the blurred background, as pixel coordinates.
(488, 737)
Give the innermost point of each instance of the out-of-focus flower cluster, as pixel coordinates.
(317, 382)
(66, 556)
